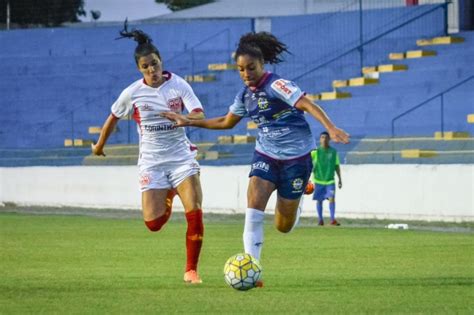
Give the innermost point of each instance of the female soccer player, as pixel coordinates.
(166, 162)
(282, 159)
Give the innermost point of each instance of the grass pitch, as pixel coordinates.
(79, 265)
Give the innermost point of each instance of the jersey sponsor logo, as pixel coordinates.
(262, 103)
(260, 165)
(297, 184)
(175, 104)
(161, 127)
(284, 88)
(146, 107)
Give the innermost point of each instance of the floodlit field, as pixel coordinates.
(81, 264)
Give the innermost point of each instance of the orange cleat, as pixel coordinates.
(309, 188)
(259, 284)
(321, 223)
(192, 277)
(335, 223)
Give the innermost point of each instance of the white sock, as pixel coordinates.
(253, 232)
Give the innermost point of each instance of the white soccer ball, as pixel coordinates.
(242, 271)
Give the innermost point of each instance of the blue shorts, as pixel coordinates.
(289, 176)
(322, 192)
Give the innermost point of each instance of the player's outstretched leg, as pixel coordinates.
(156, 224)
(194, 236)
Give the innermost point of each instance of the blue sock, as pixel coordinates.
(332, 210)
(319, 208)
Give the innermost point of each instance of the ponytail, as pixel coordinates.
(144, 47)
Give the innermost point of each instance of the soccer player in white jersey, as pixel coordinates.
(166, 162)
(282, 159)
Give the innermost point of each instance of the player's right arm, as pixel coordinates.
(107, 128)
(224, 122)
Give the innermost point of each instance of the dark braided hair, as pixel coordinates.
(144, 47)
(263, 46)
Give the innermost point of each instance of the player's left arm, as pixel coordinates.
(196, 115)
(336, 134)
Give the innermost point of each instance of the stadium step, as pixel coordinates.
(389, 150)
(354, 82)
(444, 40)
(470, 119)
(371, 72)
(411, 54)
(198, 78)
(236, 139)
(95, 130)
(221, 66)
(417, 153)
(77, 143)
(451, 135)
(251, 125)
(327, 96)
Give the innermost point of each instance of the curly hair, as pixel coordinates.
(263, 46)
(144, 47)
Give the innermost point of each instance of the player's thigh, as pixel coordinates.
(190, 192)
(154, 203)
(258, 192)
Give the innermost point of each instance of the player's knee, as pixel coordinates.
(331, 200)
(156, 224)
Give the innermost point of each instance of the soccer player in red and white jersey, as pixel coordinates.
(167, 160)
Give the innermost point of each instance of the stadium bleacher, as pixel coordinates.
(67, 79)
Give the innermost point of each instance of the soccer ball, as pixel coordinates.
(242, 271)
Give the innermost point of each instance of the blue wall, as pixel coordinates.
(55, 83)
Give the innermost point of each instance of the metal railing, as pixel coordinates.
(360, 45)
(192, 50)
(426, 102)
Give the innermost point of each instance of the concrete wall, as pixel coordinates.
(418, 192)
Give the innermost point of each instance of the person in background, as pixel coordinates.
(325, 164)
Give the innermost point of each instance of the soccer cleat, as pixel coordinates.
(192, 277)
(321, 223)
(335, 223)
(259, 284)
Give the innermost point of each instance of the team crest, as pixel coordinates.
(297, 184)
(144, 180)
(175, 104)
(262, 103)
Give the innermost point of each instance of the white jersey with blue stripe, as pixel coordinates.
(283, 132)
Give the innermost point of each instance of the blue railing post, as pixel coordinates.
(446, 16)
(361, 36)
(192, 62)
(442, 115)
(72, 126)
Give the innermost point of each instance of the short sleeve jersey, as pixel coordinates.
(325, 161)
(283, 132)
(160, 140)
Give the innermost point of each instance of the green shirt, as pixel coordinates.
(324, 165)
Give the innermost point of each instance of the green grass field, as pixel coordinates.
(80, 264)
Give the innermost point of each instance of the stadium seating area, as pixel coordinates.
(57, 86)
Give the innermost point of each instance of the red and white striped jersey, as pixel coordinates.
(161, 142)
